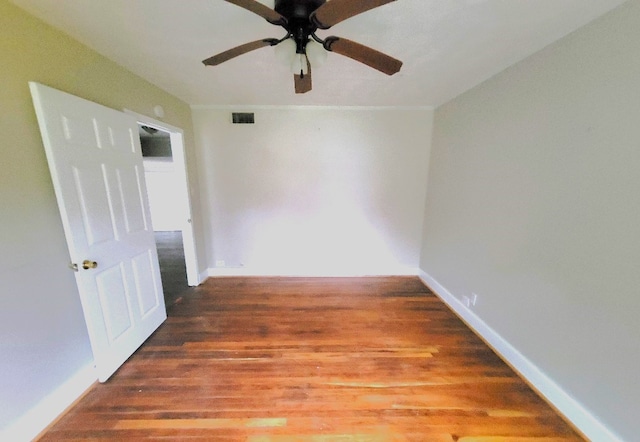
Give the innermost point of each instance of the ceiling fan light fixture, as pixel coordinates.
(316, 54)
(149, 130)
(285, 51)
(299, 65)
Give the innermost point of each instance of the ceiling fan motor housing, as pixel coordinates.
(298, 24)
(297, 8)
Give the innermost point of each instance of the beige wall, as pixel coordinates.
(534, 204)
(314, 191)
(43, 339)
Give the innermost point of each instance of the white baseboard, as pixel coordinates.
(254, 271)
(202, 276)
(574, 411)
(34, 421)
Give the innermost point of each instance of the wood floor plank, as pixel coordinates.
(312, 359)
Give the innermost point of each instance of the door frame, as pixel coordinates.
(179, 159)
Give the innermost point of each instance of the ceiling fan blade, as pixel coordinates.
(303, 83)
(372, 58)
(335, 11)
(263, 11)
(239, 50)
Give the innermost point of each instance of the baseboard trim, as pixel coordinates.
(51, 407)
(581, 418)
(202, 276)
(323, 273)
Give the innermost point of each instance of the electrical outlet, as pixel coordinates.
(220, 263)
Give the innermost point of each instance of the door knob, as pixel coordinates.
(86, 264)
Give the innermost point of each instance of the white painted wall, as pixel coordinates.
(534, 204)
(314, 191)
(165, 194)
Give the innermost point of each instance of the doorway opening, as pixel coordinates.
(167, 188)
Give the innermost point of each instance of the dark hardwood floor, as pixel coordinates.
(172, 267)
(321, 360)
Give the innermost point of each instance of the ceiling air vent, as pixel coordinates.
(243, 118)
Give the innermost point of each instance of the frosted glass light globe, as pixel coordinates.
(316, 54)
(286, 51)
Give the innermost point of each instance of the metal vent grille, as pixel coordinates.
(243, 118)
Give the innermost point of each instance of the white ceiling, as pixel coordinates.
(447, 46)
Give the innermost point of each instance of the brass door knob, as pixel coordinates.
(86, 264)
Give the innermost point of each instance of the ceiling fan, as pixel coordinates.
(301, 48)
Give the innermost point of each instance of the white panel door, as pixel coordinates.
(95, 161)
